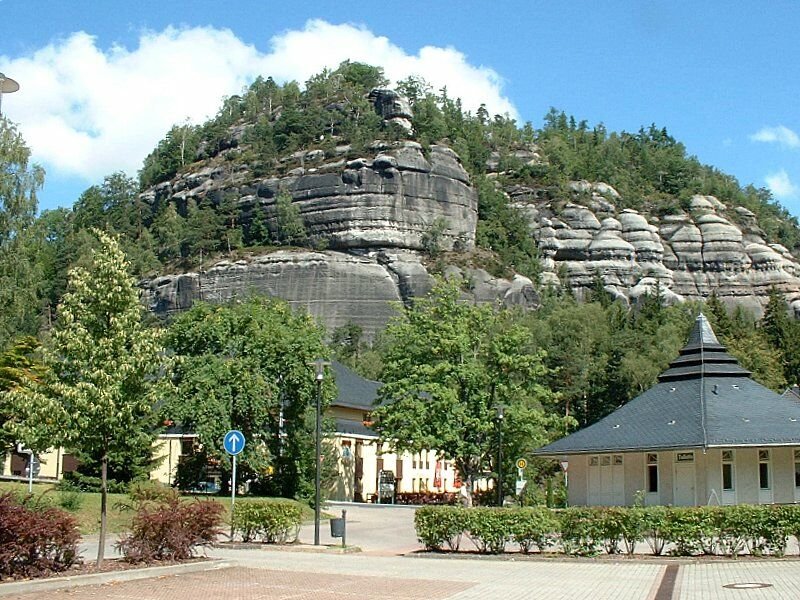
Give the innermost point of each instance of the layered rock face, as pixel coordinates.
(689, 255)
(335, 287)
(390, 199)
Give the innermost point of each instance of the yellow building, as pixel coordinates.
(364, 461)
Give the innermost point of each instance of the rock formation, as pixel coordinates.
(375, 212)
(335, 287)
(688, 255)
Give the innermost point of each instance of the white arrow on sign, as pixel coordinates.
(233, 442)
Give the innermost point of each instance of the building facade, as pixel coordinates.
(706, 433)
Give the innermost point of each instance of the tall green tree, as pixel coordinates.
(20, 275)
(448, 367)
(101, 367)
(246, 366)
(19, 366)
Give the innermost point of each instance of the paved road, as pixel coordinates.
(379, 572)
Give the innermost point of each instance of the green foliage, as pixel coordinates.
(534, 526)
(101, 363)
(272, 522)
(431, 240)
(448, 365)
(440, 525)
(489, 530)
(586, 531)
(505, 230)
(21, 276)
(174, 152)
(290, 229)
(70, 501)
(244, 366)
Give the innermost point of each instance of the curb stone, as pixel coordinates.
(60, 583)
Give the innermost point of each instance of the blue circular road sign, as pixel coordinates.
(233, 442)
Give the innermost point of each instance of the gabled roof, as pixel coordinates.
(704, 399)
(354, 391)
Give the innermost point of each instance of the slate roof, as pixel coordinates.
(704, 399)
(349, 426)
(354, 390)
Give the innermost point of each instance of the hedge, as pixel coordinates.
(729, 530)
(272, 522)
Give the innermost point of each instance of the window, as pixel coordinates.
(797, 468)
(594, 461)
(652, 473)
(728, 482)
(763, 469)
(618, 459)
(605, 461)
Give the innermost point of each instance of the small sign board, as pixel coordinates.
(521, 463)
(520, 485)
(233, 442)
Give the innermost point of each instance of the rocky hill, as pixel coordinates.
(380, 217)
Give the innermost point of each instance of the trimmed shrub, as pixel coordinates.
(35, 541)
(586, 531)
(529, 527)
(653, 527)
(489, 529)
(273, 522)
(581, 531)
(439, 525)
(172, 530)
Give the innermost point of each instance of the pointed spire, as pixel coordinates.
(703, 355)
(702, 334)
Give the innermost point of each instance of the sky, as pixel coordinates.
(101, 81)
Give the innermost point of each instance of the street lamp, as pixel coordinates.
(500, 414)
(319, 375)
(7, 86)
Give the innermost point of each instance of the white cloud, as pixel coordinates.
(781, 135)
(780, 185)
(89, 111)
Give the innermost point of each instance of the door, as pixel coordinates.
(606, 481)
(683, 487)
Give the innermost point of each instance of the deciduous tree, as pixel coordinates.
(101, 367)
(448, 367)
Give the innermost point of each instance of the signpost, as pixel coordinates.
(233, 442)
(521, 464)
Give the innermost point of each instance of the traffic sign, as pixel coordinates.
(233, 442)
(520, 485)
(521, 463)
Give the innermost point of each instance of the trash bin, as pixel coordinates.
(337, 527)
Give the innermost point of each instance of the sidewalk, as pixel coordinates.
(381, 572)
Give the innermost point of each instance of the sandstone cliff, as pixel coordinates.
(368, 215)
(708, 248)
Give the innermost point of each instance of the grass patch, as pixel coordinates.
(85, 506)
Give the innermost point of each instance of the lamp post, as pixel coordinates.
(319, 375)
(7, 86)
(500, 413)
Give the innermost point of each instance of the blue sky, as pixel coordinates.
(102, 81)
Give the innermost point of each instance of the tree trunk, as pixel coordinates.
(103, 507)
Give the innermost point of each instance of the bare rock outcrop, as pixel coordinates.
(687, 256)
(335, 287)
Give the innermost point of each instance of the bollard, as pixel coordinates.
(344, 531)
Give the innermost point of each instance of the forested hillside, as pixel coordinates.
(601, 352)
